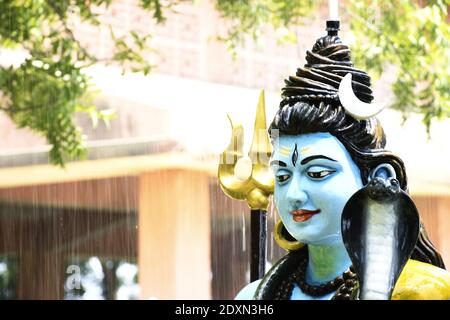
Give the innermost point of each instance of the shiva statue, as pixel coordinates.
(349, 227)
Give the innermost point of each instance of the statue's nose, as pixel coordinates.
(296, 196)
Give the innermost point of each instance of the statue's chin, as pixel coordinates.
(320, 239)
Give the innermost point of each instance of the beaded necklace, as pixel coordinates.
(344, 284)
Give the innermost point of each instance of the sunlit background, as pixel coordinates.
(143, 217)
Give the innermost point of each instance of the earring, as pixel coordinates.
(280, 238)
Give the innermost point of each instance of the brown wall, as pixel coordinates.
(434, 211)
(174, 235)
(44, 226)
(114, 193)
(44, 238)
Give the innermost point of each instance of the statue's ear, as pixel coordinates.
(384, 171)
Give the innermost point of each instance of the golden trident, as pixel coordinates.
(258, 186)
(255, 187)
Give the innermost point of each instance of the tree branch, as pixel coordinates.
(70, 33)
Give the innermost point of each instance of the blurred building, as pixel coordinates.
(147, 195)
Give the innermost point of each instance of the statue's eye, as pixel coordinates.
(283, 177)
(320, 174)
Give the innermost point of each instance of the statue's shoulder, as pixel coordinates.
(248, 292)
(422, 281)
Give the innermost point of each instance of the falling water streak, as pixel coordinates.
(243, 233)
(233, 240)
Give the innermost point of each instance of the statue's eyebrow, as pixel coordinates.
(308, 159)
(277, 163)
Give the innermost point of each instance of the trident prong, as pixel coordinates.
(258, 187)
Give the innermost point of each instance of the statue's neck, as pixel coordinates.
(326, 262)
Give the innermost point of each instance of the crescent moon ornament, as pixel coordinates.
(352, 105)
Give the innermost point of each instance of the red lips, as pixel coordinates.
(303, 214)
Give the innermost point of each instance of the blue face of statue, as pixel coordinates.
(314, 178)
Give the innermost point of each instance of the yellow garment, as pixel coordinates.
(422, 281)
